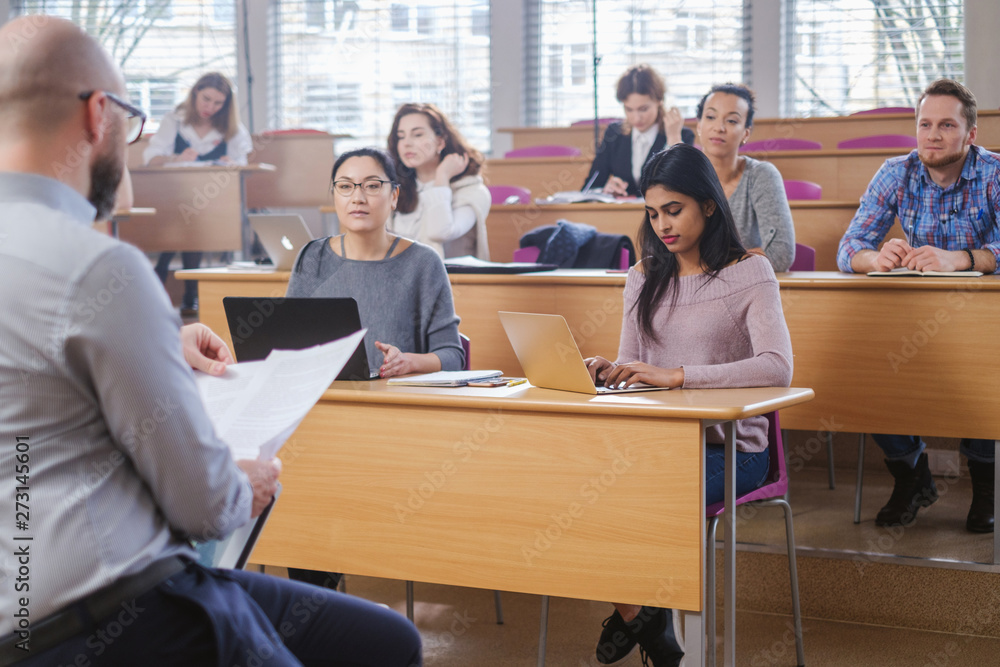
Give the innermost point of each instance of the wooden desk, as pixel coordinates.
(542, 175)
(125, 214)
(517, 489)
(197, 208)
(828, 130)
(302, 178)
(818, 224)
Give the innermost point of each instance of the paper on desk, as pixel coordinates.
(255, 406)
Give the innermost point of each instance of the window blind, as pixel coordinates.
(345, 66)
(162, 46)
(852, 55)
(692, 44)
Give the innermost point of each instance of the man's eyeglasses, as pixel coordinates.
(372, 187)
(136, 117)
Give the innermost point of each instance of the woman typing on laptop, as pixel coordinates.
(700, 313)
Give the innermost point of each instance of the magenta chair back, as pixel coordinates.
(549, 150)
(778, 475)
(781, 144)
(803, 190)
(805, 258)
(880, 141)
(500, 194)
(528, 255)
(467, 348)
(868, 112)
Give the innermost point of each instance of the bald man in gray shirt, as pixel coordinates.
(108, 461)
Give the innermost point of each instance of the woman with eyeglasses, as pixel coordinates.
(205, 127)
(401, 286)
(443, 201)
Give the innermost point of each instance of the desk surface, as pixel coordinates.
(518, 488)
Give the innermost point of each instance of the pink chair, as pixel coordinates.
(781, 144)
(803, 190)
(590, 121)
(880, 141)
(879, 110)
(771, 494)
(805, 258)
(501, 194)
(551, 150)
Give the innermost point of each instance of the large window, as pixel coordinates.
(345, 66)
(852, 55)
(163, 46)
(692, 44)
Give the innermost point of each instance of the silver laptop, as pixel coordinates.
(549, 355)
(282, 237)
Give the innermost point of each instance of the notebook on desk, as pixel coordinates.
(261, 324)
(549, 355)
(282, 237)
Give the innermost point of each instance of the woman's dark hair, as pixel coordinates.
(377, 154)
(737, 89)
(684, 169)
(454, 142)
(642, 80)
(227, 119)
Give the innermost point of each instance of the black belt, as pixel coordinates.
(84, 614)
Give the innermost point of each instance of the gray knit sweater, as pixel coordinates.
(760, 209)
(404, 300)
(728, 331)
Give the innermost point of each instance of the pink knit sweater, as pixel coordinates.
(728, 331)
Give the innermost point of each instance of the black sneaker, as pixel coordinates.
(616, 640)
(653, 629)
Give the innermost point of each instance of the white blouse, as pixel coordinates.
(162, 143)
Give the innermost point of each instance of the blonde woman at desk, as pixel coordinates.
(443, 201)
(754, 189)
(701, 312)
(205, 127)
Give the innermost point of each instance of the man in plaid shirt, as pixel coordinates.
(946, 195)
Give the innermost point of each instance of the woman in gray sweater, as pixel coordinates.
(701, 312)
(401, 286)
(754, 189)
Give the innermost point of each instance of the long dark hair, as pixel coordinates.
(684, 169)
(454, 142)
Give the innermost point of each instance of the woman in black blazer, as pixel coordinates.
(641, 91)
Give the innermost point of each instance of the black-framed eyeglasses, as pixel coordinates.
(371, 187)
(136, 116)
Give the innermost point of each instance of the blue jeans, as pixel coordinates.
(228, 617)
(751, 471)
(905, 446)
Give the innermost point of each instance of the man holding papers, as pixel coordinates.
(109, 461)
(946, 195)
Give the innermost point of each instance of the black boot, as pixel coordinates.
(980, 519)
(653, 629)
(616, 640)
(914, 489)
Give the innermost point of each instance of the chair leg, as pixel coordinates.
(409, 600)
(710, 591)
(861, 473)
(829, 459)
(543, 632)
(499, 606)
(793, 575)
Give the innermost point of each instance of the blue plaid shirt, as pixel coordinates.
(963, 215)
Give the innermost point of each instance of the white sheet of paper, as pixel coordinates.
(255, 406)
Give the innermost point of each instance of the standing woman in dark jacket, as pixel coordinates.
(649, 127)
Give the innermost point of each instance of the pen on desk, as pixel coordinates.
(514, 383)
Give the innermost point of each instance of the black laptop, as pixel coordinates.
(261, 324)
